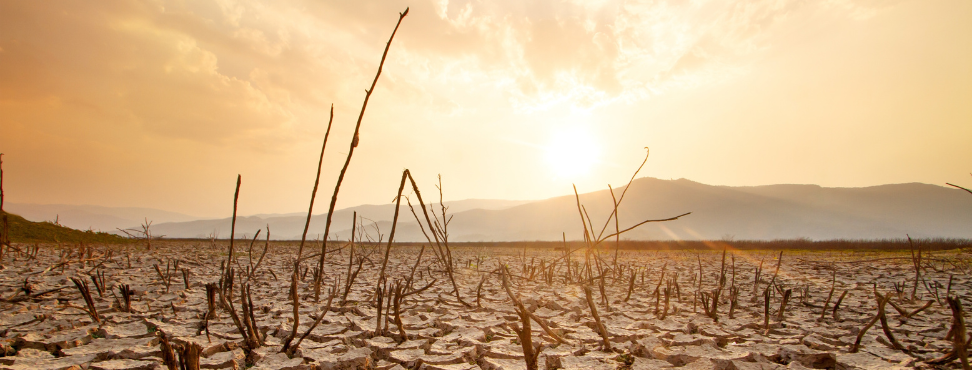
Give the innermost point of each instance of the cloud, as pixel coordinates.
(206, 89)
(225, 70)
(593, 53)
(128, 63)
(861, 9)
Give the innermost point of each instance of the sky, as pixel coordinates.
(162, 103)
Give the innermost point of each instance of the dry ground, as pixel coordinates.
(52, 329)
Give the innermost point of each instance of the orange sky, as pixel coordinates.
(161, 103)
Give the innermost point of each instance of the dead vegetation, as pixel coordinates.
(415, 312)
(543, 313)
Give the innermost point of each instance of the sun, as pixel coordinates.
(571, 153)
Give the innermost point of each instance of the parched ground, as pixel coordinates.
(48, 327)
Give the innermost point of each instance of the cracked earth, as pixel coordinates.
(45, 322)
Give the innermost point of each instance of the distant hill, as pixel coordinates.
(718, 212)
(290, 226)
(24, 231)
(724, 212)
(85, 217)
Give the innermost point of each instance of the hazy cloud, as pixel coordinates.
(204, 88)
(221, 70)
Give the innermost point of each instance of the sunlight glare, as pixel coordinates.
(571, 153)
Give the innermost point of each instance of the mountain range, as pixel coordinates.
(717, 212)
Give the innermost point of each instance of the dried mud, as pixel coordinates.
(51, 329)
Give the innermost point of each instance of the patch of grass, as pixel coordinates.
(24, 231)
(626, 360)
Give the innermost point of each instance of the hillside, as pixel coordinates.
(724, 212)
(84, 217)
(24, 231)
